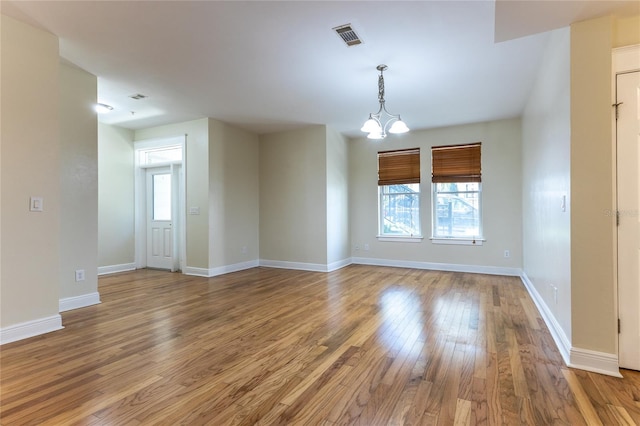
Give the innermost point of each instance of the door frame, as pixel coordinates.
(624, 60)
(140, 189)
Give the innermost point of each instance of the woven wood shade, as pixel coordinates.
(398, 167)
(456, 163)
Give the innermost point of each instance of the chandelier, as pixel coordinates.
(373, 126)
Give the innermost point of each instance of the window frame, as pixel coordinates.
(451, 239)
(399, 167)
(383, 236)
(456, 164)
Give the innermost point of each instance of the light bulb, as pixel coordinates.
(370, 125)
(398, 127)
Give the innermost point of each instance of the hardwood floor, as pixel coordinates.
(362, 345)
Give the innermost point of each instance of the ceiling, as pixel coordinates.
(270, 66)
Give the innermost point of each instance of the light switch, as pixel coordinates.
(35, 204)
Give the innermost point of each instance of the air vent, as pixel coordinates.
(348, 35)
(138, 96)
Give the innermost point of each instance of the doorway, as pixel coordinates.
(160, 195)
(628, 217)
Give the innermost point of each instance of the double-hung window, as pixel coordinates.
(399, 193)
(457, 192)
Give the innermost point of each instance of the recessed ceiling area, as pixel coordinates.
(270, 66)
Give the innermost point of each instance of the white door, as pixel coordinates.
(628, 181)
(160, 238)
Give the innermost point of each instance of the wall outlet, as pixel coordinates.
(244, 250)
(366, 247)
(357, 247)
(79, 275)
(507, 254)
(555, 295)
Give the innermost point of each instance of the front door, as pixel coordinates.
(628, 182)
(160, 247)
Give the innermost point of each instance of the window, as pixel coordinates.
(399, 193)
(457, 192)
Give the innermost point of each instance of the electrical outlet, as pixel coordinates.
(244, 250)
(366, 247)
(357, 247)
(555, 295)
(79, 275)
(507, 254)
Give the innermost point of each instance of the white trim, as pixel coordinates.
(399, 239)
(159, 143)
(227, 269)
(597, 362)
(70, 303)
(458, 241)
(339, 264)
(198, 272)
(558, 334)
(584, 359)
(626, 59)
(32, 328)
(314, 267)
(113, 269)
(450, 267)
(221, 270)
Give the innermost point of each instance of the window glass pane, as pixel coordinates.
(162, 196)
(400, 209)
(457, 210)
(163, 155)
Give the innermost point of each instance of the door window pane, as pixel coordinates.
(162, 196)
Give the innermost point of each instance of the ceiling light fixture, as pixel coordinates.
(373, 126)
(103, 108)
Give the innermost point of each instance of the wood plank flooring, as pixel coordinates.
(363, 345)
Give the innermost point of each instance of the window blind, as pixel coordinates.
(399, 166)
(456, 163)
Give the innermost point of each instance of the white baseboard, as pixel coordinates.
(112, 269)
(221, 270)
(583, 359)
(28, 329)
(449, 267)
(313, 267)
(76, 302)
(597, 362)
(558, 334)
(334, 266)
(198, 272)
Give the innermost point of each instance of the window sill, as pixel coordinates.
(458, 241)
(400, 239)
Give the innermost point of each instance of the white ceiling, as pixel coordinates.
(268, 66)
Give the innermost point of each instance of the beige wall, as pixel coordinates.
(197, 183)
(546, 139)
(78, 181)
(116, 238)
(293, 210)
(30, 132)
(626, 31)
(233, 195)
(592, 231)
(338, 233)
(501, 177)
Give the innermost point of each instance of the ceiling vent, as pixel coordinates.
(348, 35)
(138, 96)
